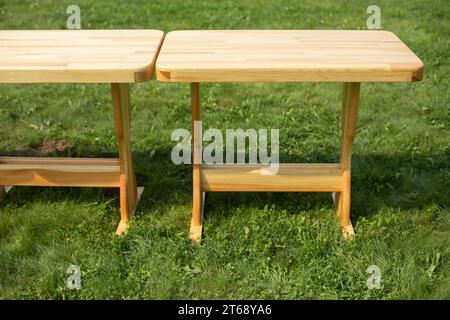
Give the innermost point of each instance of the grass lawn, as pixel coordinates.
(256, 245)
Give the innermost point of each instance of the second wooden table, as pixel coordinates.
(350, 57)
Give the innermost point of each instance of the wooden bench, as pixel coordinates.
(350, 57)
(116, 57)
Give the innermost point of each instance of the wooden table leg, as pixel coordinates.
(128, 187)
(350, 103)
(79, 172)
(197, 195)
(312, 177)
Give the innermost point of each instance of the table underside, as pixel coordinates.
(84, 172)
(290, 177)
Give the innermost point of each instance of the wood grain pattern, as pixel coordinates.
(59, 172)
(291, 177)
(286, 56)
(78, 56)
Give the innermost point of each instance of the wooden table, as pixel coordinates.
(118, 57)
(350, 57)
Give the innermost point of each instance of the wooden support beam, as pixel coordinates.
(59, 172)
(350, 104)
(291, 177)
(196, 228)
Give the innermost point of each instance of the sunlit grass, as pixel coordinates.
(270, 246)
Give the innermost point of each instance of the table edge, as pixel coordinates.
(136, 75)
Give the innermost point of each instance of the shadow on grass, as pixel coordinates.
(402, 182)
(399, 181)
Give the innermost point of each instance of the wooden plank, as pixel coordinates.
(286, 56)
(59, 172)
(59, 161)
(78, 56)
(289, 178)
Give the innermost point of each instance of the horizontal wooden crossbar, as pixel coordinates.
(291, 177)
(59, 172)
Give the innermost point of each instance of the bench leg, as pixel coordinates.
(128, 187)
(196, 229)
(350, 103)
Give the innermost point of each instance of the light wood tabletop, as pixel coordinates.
(78, 56)
(286, 56)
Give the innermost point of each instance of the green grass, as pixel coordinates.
(256, 245)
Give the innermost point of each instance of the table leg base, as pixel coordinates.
(348, 233)
(291, 177)
(59, 172)
(124, 224)
(195, 234)
(295, 177)
(122, 228)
